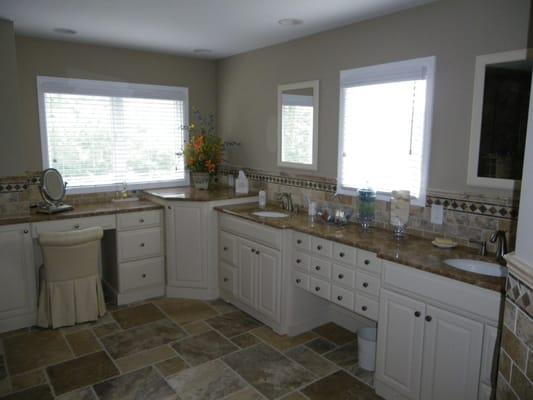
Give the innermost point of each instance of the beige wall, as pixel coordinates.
(11, 143)
(455, 31)
(74, 60)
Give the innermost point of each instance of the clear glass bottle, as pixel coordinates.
(367, 208)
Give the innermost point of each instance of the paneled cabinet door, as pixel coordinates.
(400, 342)
(246, 259)
(452, 356)
(17, 273)
(186, 252)
(268, 281)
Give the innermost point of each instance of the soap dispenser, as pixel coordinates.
(241, 183)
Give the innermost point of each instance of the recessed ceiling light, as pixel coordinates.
(65, 31)
(290, 21)
(202, 51)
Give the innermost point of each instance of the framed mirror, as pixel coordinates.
(298, 125)
(500, 109)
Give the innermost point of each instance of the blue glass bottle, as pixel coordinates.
(367, 208)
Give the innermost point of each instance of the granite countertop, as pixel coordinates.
(413, 251)
(84, 210)
(189, 193)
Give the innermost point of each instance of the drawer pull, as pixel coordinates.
(253, 250)
(298, 280)
(417, 314)
(77, 226)
(257, 252)
(341, 254)
(367, 262)
(225, 248)
(298, 261)
(142, 245)
(170, 208)
(341, 276)
(299, 241)
(365, 284)
(428, 318)
(141, 221)
(226, 279)
(26, 231)
(317, 267)
(144, 275)
(317, 288)
(364, 308)
(319, 247)
(339, 298)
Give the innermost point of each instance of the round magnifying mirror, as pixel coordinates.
(52, 185)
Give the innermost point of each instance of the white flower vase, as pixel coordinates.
(200, 180)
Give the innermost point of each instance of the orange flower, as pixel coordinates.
(210, 166)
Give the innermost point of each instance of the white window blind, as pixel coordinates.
(297, 129)
(384, 133)
(102, 134)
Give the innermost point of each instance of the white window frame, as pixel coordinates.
(382, 73)
(292, 86)
(47, 84)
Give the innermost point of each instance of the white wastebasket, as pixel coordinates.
(366, 343)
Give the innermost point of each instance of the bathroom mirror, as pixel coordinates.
(298, 125)
(499, 119)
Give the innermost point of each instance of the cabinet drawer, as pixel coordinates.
(266, 235)
(321, 246)
(136, 274)
(300, 280)
(320, 267)
(369, 261)
(300, 260)
(72, 224)
(367, 307)
(343, 253)
(367, 283)
(319, 287)
(342, 297)
(136, 220)
(227, 278)
(301, 241)
(141, 243)
(227, 247)
(342, 275)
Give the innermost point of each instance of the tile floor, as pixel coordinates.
(180, 349)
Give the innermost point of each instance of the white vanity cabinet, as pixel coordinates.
(251, 268)
(17, 278)
(432, 336)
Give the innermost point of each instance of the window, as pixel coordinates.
(384, 128)
(101, 134)
(297, 130)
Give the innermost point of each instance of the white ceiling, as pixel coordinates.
(226, 27)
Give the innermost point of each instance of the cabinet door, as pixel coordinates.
(246, 259)
(399, 347)
(186, 247)
(17, 272)
(268, 281)
(452, 356)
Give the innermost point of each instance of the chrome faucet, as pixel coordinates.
(286, 201)
(500, 239)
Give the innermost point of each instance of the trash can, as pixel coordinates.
(366, 344)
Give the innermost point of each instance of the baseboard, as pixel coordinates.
(193, 293)
(18, 322)
(140, 294)
(385, 391)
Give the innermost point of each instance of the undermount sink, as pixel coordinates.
(477, 267)
(270, 214)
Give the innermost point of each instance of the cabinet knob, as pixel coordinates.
(417, 314)
(367, 262)
(365, 284)
(364, 308)
(299, 241)
(77, 226)
(319, 247)
(428, 318)
(26, 231)
(317, 289)
(225, 279)
(225, 248)
(317, 267)
(142, 245)
(339, 298)
(341, 254)
(144, 275)
(257, 252)
(253, 250)
(298, 280)
(298, 261)
(341, 276)
(170, 208)
(141, 221)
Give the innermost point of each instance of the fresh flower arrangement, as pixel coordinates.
(203, 152)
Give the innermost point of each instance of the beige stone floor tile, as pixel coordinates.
(27, 380)
(312, 361)
(83, 342)
(245, 340)
(171, 366)
(82, 394)
(145, 358)
(42, 392)
(106, 329)
(294, 396)
(139, 315)
(342, 385)
(246, 394)
(335, 333)
(197, 327)
(185, 310)
(280, 342)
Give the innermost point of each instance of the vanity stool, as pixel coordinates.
(71, 289)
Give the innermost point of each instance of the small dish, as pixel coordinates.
(444, 246)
